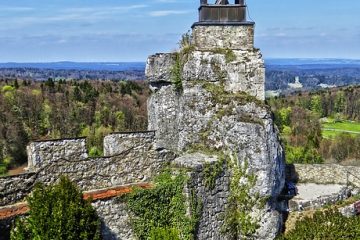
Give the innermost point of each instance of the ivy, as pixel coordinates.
(161, 212)
(213, 171)
(176, 72)
(239, 221)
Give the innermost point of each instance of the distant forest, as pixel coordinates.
(32, 110)
(322, 126)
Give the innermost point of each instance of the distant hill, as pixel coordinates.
(308, 63)
(95, 66)
(281, 74)
(73, 70)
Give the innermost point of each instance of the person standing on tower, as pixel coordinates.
(222, 2)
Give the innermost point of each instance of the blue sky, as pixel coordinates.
(120, 30)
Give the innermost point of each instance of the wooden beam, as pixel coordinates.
(100, 194)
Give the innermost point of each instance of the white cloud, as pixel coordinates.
(164, 13)
(166, 1)
(109, 9)
(15, 9)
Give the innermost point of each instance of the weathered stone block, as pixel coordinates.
(158, 67)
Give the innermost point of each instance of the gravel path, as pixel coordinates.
(311, 191)
(339, 130)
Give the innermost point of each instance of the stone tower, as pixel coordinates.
(225, 26)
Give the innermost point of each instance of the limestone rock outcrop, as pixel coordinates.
(211, 100)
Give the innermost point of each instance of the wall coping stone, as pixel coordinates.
(58, 139)
(28, 174)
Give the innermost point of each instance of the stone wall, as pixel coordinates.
(115, 222)
(224, 36)
(134, 163)
(113, 214)
(15, 188)
(214, 200)
(324, 174)
(320, 202)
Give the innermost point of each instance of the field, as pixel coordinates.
(332, 129)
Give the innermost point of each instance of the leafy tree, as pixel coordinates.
(340, 102)
(77, 94)
(316, 105)
(119, 121)
(58, 212)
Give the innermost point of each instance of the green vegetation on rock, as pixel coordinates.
(161, 212)
(228, 53)
(176, 72)
(58, 212)
(213, 171)
(239, 221)
(327, 224)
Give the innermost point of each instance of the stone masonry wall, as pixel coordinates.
(214, 200)
(324, 174)
(115, 222)
(136, 163)
(42, 153)
(224, 36)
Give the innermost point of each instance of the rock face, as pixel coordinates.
(209, 98)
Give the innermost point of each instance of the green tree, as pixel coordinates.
(340, 102)
(119, 121)
(58, 212)
(316, 105)
(77, 94)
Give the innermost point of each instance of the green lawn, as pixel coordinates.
(333, 129)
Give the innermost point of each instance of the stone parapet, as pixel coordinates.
(324, 174)
(41, 153)
(116, 143)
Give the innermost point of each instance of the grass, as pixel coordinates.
(332, 129)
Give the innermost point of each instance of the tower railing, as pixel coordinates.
(219, 13)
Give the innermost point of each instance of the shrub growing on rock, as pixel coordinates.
(328, 224)
(58, 212)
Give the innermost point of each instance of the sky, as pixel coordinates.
(120, 30)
